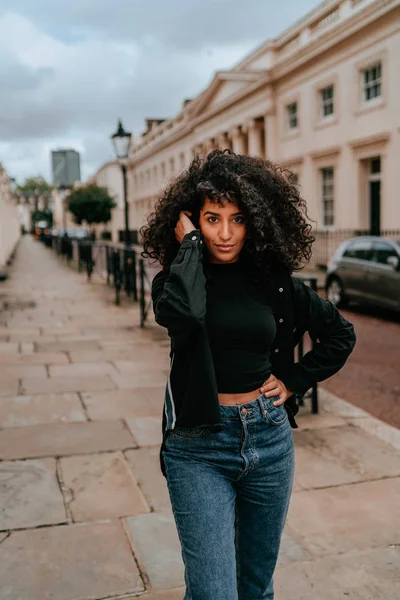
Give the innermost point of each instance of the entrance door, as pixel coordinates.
(375, 207)
(374, 188)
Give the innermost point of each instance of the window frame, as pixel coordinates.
(289, 127)
(369, 85)
(323, 200)
(323, 103)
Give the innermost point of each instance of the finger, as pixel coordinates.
(275, 392)
(267, 387)
(187, 213)
(281, 400)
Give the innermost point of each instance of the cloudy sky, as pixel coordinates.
(70, 69)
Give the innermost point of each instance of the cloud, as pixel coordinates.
(70, 70)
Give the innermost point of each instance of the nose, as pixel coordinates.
(225, 232)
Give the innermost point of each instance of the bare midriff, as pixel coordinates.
(234, 399)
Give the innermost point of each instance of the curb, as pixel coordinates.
(360, 418)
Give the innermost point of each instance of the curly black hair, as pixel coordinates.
(278, 234)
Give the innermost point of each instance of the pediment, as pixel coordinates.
(223, 86)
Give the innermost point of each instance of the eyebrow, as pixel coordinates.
(216, 214)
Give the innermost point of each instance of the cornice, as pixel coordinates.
(378, 138)
(337, 34)
(322, 152)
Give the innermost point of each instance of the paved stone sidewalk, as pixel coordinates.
(84, 509)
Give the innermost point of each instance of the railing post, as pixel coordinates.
(134, 276)
(89, 259)
(142, 293)
(117, 275)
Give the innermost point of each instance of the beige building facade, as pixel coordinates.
(10, 226)
(321, 100)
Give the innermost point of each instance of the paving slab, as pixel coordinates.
(323, 420)
(56, 385)
(84, 369)
(120, 404)
(347, 518)
(65, 346)
(9, 387)
(146, 430)
(9, 347)
(342, 455)
(291, 549)
(27, 347)
(22, 411)
(30, 494)
(145, 465)
(368, 575)
(147, 379)
(172, 594)
(156, 363)
(33, 358)
(156, 545)
(12, 371)
(82, 561)
(103, 487)
(122, 352)
(64, 439)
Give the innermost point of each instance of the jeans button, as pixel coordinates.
(244, 411)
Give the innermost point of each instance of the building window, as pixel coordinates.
(292, 118)
(327, 103)
(163, 169)
(172, 165)
(327, 194)
(182, 160)
(372, 82)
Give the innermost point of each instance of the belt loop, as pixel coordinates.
(262, 407)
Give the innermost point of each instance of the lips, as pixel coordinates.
(224, 247)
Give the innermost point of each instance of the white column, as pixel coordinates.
(271, 139)
(238, 140)
(223, 141)
(255, 138)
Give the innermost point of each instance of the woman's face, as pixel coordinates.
(223, 229)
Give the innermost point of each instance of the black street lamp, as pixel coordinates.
(121, 140)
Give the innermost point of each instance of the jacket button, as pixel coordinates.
(280, 320)
(194, 238)
(276, 350)
(281, 289)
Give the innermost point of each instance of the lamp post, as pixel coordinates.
(121, 140)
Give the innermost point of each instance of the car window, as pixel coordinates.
(381, 252)
(360, 250)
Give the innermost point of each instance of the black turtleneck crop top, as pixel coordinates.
(240, 326)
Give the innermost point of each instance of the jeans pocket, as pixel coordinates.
(192, 432)
(276, 415)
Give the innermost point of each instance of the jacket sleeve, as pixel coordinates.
(179, 295)
(334, 336)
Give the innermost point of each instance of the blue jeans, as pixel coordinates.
(230, 494)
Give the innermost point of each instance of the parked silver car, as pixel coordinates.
(367, 270)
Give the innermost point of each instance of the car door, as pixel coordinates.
(383, 278)
(353, 268)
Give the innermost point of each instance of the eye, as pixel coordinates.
(239, 219)
(212, 219)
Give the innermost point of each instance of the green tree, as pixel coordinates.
(91, 204)
(35, 189)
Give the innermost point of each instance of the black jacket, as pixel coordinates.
(179, 301)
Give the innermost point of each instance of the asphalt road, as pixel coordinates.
(371, 376)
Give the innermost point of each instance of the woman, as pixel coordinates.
(228, 233)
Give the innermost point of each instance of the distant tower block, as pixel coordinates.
(66, 167)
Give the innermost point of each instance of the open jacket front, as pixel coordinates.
(179, 301)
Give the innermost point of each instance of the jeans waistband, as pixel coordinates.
(260, 402)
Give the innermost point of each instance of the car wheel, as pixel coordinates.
(334, 292)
